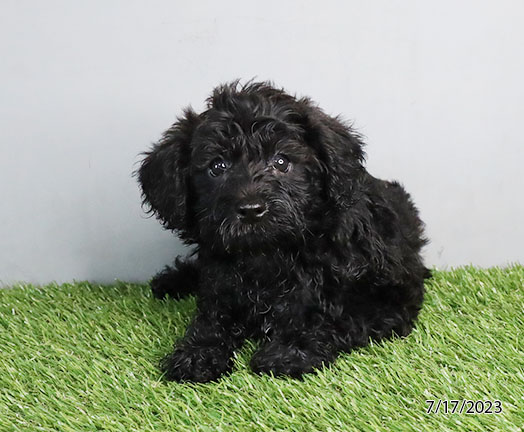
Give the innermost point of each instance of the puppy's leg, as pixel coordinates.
(177, 282)
(385, 319)
(303, 341)
(205, 352)
(294, 351)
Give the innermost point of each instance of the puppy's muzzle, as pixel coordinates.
(251, 211)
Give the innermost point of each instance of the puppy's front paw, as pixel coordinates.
(282, 359)
(198, 364)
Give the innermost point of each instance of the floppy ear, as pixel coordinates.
(163, 175)
(340, 152)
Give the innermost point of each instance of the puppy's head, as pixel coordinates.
(257, 167)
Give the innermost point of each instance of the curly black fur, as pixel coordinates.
(297, 245)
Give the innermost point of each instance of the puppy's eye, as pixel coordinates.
(217, 167)
(281, 163)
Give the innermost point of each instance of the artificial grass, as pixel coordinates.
(83, 357)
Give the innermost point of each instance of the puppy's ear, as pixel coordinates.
(341, 155)
(163, 174)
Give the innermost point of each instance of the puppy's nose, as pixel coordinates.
(251, 211)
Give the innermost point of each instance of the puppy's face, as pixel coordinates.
(255, 181)
(256, 168)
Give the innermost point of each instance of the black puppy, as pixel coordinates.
(296, 244)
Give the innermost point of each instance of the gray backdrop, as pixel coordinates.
(436, 87)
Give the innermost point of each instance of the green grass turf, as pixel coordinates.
(83, 357)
